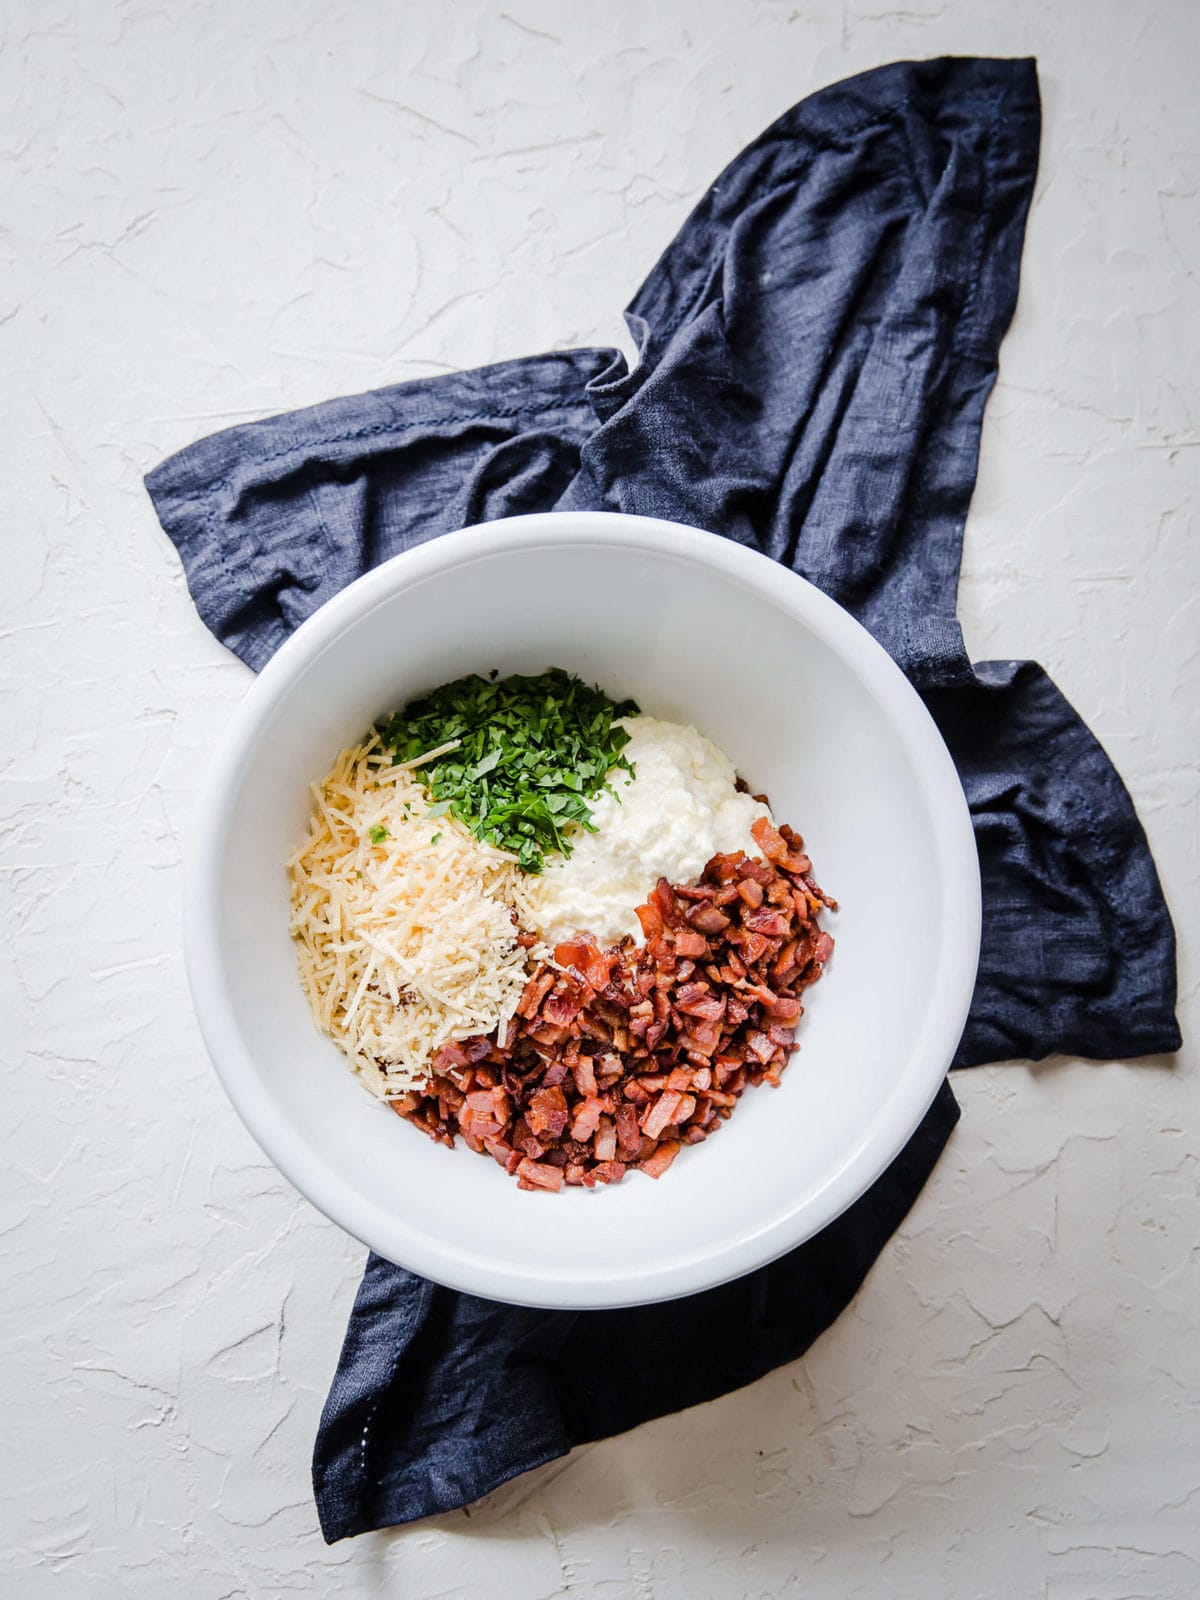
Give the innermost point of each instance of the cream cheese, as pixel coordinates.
(681, 808)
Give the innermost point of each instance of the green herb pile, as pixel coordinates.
(530, 753)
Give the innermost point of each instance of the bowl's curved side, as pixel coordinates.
(956, 914)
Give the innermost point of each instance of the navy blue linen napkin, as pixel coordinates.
(816, 348)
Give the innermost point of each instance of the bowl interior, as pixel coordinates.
(735, 649)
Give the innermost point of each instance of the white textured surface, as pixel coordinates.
(208, 212)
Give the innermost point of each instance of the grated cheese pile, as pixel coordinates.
(406, 943)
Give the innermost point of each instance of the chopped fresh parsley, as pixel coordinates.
(435, 838)
(378, 833)
(529, 753)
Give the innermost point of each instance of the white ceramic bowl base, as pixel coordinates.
(812, 712)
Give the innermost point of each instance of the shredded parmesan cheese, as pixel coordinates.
(405, 923)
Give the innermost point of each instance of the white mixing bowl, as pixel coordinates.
(811, 710)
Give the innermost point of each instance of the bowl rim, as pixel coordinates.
(394, 1237)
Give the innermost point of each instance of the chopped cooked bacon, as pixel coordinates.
(685, 1108)
(616, 1058)
(768, 839)
(547, 1112)
(452, 1056)
(759, 1046)
(536, 1175)
(661, 1113)
(605, 1144)
(707, 1007)
(785, 1008)
(587, 1119)
(657, 1162)
(629, 1133)
(560, 1009)
(708, 919)
(585, 1075)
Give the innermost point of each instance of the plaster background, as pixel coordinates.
(210, 212)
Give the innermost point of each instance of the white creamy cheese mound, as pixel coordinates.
(680, 809)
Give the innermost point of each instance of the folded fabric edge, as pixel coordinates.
(233, 565)
(1078, 805)
(844, 1253)
(338, 1522)
(354, 1490)
(544, 381)
(937, 85)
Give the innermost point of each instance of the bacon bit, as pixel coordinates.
(685, 1108)
(560, 1010)
(760, 1046)
(629, 1135)
(452, 1055)
(587, 1119)
(584, 1074)
(654, 1033)
(655, 1164)
(537, 1175)
(610, 1171)
(754, 946)
(661, 1113)
(768, 839)
(605, 1143)
(703, 1036)
(692, 946)
(717, 1097)
(610, 1068)
(723, 868)
(571, 953)
(584, 957)
(785, 1008)
(498, 1150)
(489, 1103)
(707, 919)
(535, 991)
(652, 1082)
(708, 1008)
(547, 1112)
(524, 1140)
